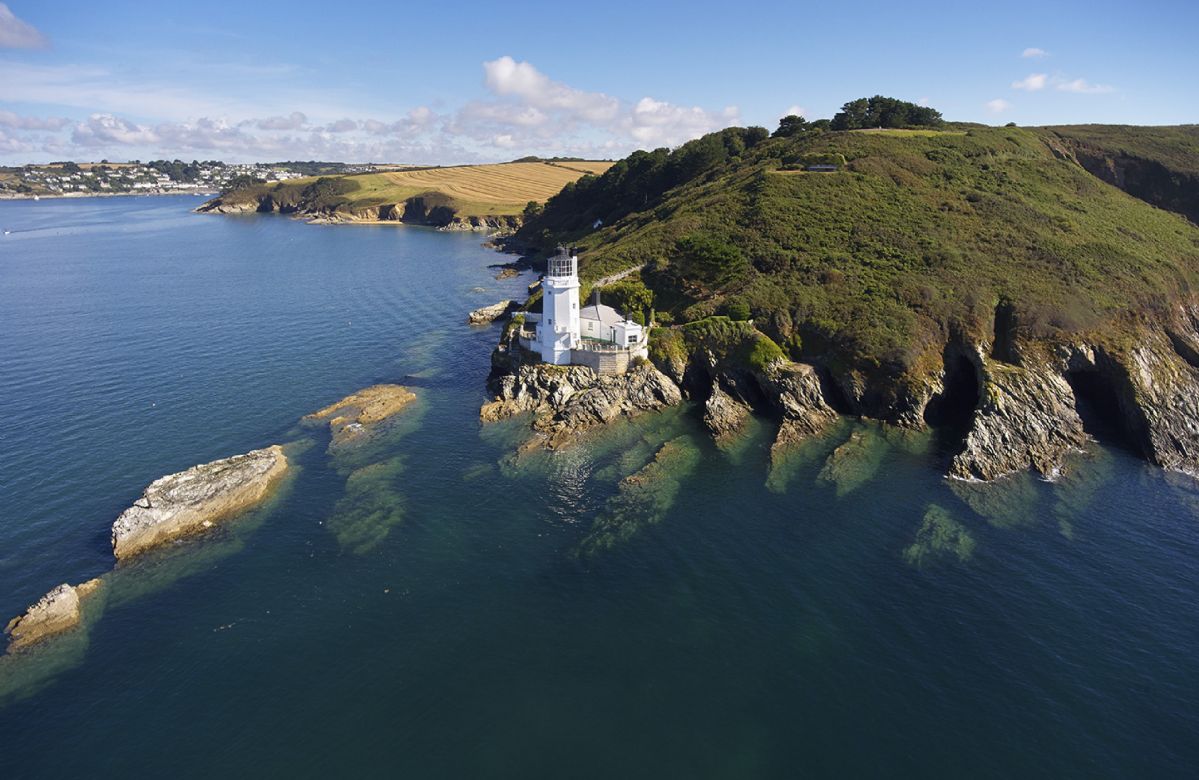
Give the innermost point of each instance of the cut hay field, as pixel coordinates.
(500, 189)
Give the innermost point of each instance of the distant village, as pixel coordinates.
(156, 177)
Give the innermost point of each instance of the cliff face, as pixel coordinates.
(1157, 165)
(419, 210)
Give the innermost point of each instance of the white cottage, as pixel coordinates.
(594, 335)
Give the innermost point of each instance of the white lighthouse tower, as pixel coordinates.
(559, 331)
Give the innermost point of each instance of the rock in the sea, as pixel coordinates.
(57, 611)
(796, 391)
(193, 500)
(1025, 418)
(567, 400)
(357, 417)
(724, 415)
(489, 313)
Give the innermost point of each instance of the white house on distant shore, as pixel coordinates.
(595, 335)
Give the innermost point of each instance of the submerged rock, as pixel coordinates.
(939, 536)
(194, 500)
(486, 314)
(1025, 418)
(853, 463)
(644, 497)
(372, 505)
(54, 613)
(360, 416)
(567, 400)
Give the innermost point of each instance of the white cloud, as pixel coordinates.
(532, 111)
(342, 126)
(293, 121)
(16, 34)
(657, 123)
(526, 111)
(1082, 86)
(1032, 82)
(11, 144)
(1033, 53)
(9, 119)
(998, 105)
(795, 110)
(106, 130)
(508, 78)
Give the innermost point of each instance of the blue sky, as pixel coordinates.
(463, 82)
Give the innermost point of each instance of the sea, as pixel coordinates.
(445, 603)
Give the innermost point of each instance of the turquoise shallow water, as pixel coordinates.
(436, 607)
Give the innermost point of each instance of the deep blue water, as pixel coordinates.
(435, 607)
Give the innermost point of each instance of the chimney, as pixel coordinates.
(595, 296)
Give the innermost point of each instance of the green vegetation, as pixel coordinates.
(880, 111)
(869, 269)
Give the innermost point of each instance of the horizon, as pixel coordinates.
(244, 85)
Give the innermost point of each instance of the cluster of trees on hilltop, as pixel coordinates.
(880, 111)
(637, 181)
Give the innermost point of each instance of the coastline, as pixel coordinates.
(77, 195)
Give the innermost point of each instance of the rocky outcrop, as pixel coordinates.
(193, 500)
(360, 416)
(1158, 393)
(796, 392)
(489, 314)
(56, 612)
(724, 416)
(566, 400)
(1025, 418)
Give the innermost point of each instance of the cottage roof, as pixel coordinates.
(606, 315)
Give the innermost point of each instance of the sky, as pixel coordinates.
(434, 83)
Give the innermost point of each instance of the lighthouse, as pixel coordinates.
(559, 333)
(563, 334)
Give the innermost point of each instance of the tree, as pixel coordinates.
(755, 135)
(880, 111)
(708, 262)
(790, 125)
(630, 296)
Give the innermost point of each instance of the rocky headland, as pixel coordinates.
(194, 500)
(1022, 291)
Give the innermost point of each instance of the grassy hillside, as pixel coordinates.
(468, 191)
(871, 268)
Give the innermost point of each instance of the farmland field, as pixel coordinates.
(502, 188)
